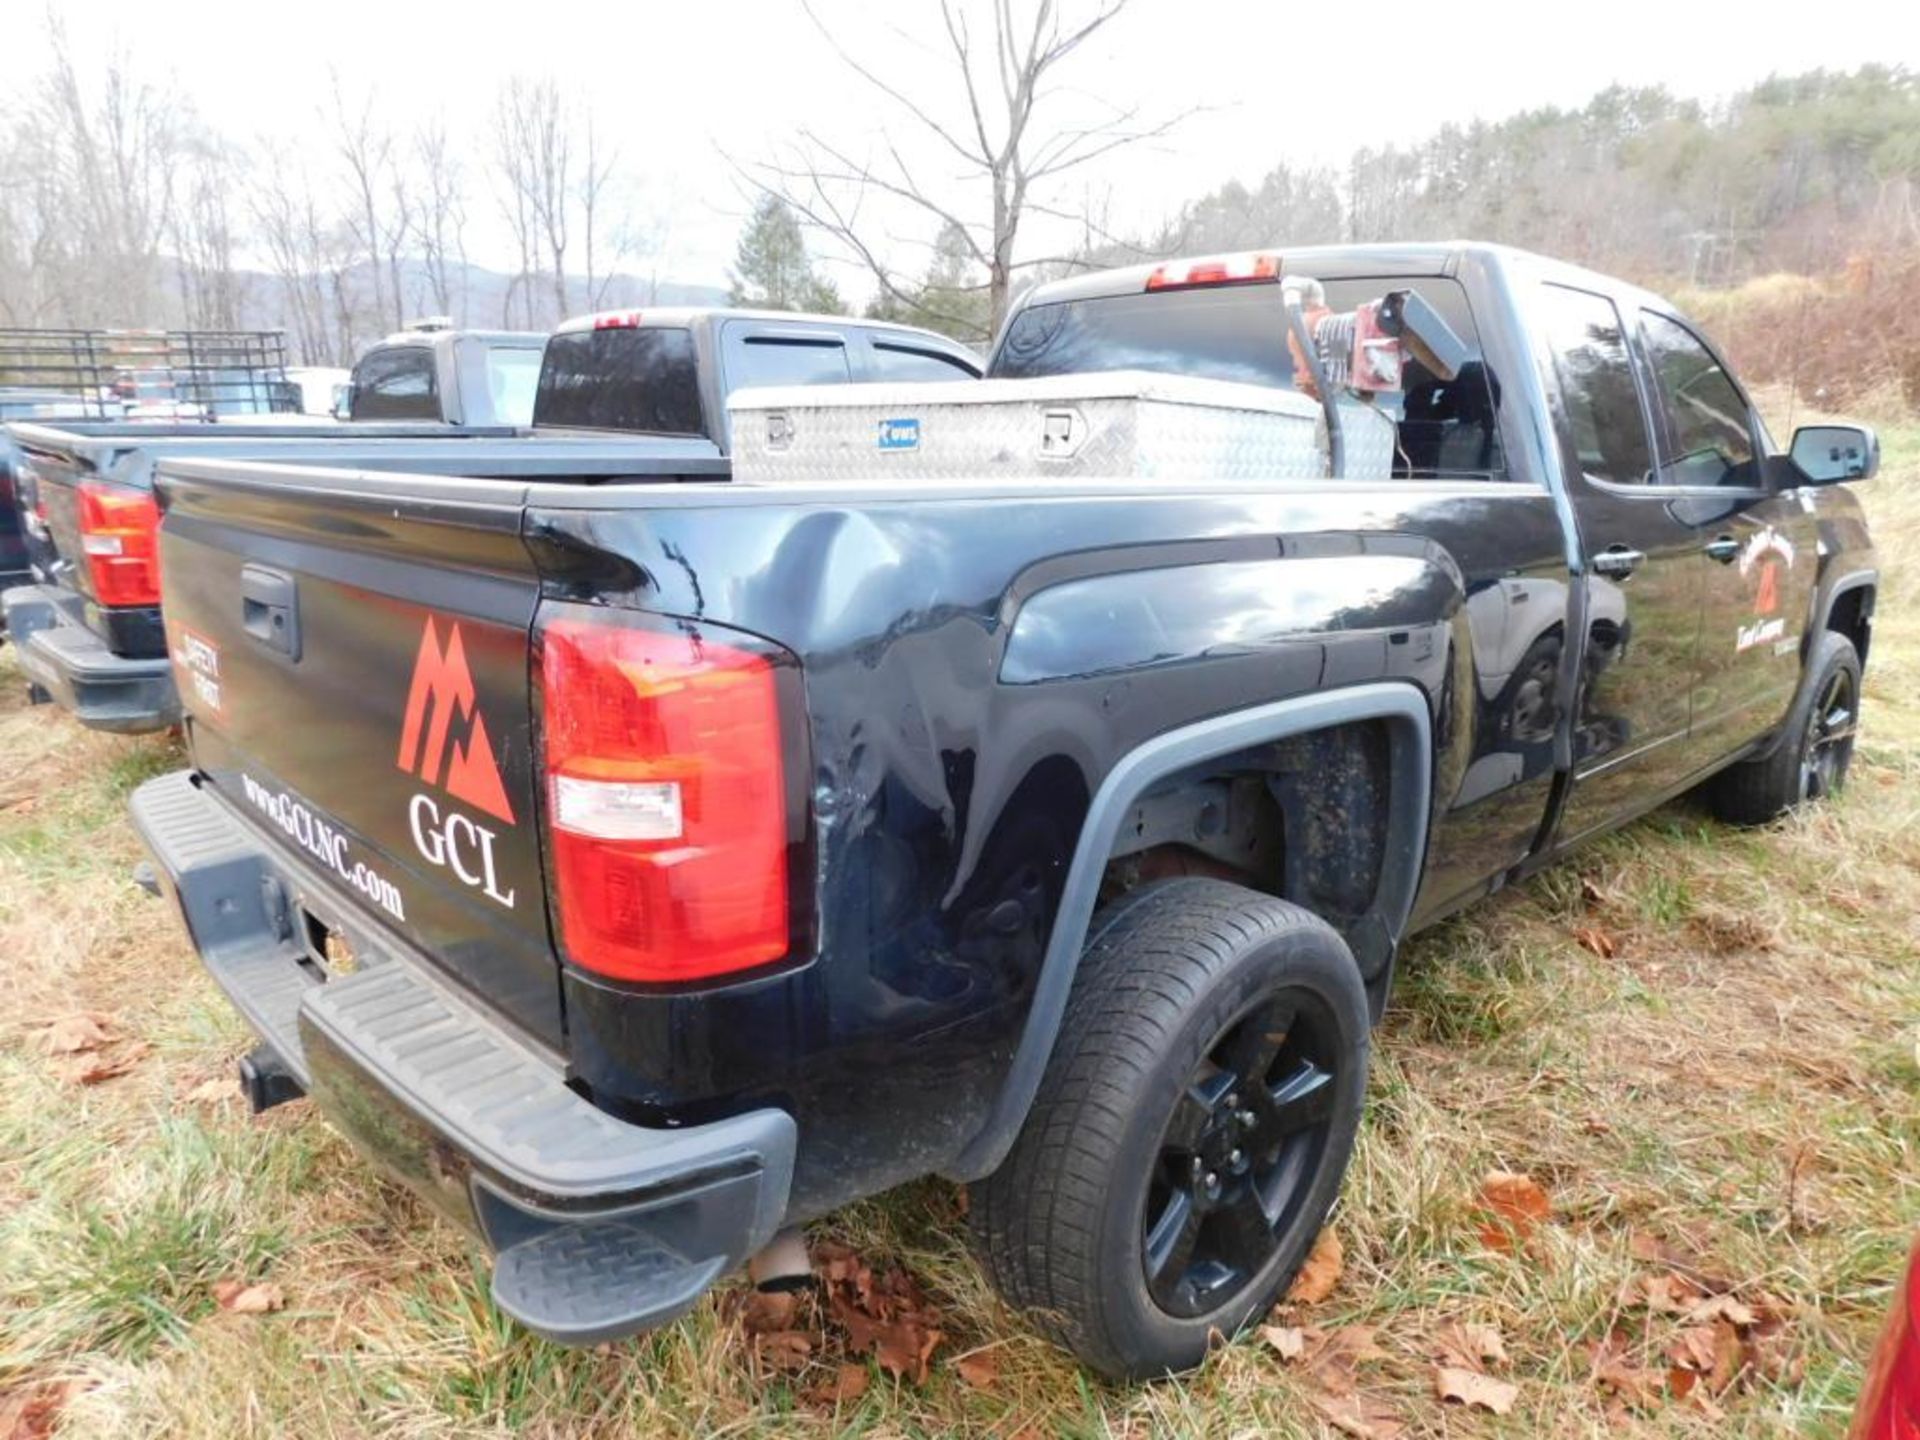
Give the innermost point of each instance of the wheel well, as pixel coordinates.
(1305, 818)
(1852, 616)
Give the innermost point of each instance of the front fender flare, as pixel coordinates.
(1409, 720)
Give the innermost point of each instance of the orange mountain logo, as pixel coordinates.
(441, 693)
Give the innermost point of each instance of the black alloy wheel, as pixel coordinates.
(1245, 1136)
(1829, 746)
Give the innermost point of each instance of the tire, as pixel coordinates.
(1136, 1115)
(1816, 743)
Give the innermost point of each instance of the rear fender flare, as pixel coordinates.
(1404, 709)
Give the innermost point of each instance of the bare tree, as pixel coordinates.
(534, 155)
(596, 173)
(103, 161)
(440, 229)
(1002, 86)
(206, 237)
(365, 149)
(312, 257)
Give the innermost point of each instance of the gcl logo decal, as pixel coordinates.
(460, 762)
(442, 691)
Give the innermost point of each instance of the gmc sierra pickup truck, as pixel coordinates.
(625, 395)
(640, 871)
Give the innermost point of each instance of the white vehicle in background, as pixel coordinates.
(318, 387)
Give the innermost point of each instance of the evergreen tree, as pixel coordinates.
(953, 299)
(772, 269)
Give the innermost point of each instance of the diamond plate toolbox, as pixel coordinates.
(1119, 425)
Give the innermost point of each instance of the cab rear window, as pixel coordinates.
(1449, 429)
(641, 379)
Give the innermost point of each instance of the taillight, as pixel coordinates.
(120, 536)
(666, 800)
(1244, 269)
(617, 320)
(1890, 1401)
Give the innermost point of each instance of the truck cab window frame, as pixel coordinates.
(1693, 393)
(896, 361)
(1609, 419)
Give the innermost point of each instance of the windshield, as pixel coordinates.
(1239, 333)
(512, 378)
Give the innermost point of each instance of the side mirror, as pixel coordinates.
(343, 402)
(1829, 454)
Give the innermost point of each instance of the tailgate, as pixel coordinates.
(352, 656)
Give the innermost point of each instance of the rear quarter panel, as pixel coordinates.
(976, 662)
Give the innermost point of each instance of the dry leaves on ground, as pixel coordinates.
(87, 1047)
(1600, 942)
(32, 1411)
(1615, 1372)
(979, 1368)
(1331, 1360)
(1289, 1342)
(240, 1298)
(1514, 1205)
(886, 1316)
(1473, 1389)
(847, 1383)
(1469, 1346)
(1321, 1272)
(77, 1033)
(1363, 1417)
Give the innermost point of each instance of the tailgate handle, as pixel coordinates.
(270, 609)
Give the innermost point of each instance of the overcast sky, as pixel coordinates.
(682, 85)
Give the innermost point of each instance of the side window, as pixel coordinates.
(513, 375)
(1596, 385)
(903, 362)
(785, 360)
(397, 385)
(1710, 430)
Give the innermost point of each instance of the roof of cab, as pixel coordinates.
(1330, 262)
(645, 316)
(505, 339)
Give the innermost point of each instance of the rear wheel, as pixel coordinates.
(1815, 749)
(1192, 1130)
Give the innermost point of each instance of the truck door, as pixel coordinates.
(1758, 546)
(1645, 574)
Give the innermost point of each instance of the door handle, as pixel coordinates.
(270, 609)
(1618, 562)
(1723, 548)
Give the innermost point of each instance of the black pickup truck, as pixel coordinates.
(640, 871)
(621, 396)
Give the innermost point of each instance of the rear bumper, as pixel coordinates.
(104, 691)
(600, 1228)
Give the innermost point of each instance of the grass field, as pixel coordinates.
(1732, 1098)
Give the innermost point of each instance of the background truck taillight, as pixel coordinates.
(119, 534)
(667, 797)
(1890, 1400)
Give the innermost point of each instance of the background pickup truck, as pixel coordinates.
(639, 871)
(620, 396)
(458, 377)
